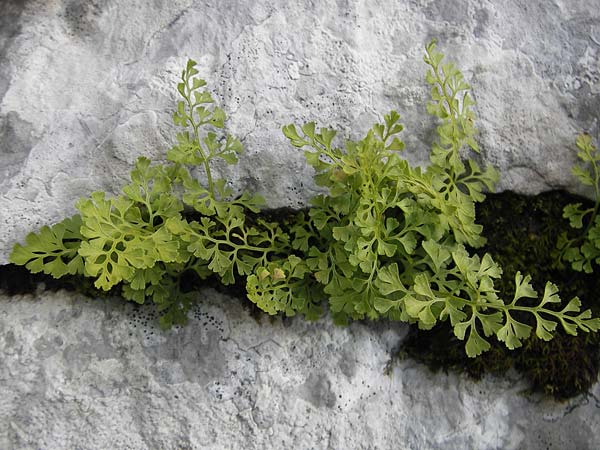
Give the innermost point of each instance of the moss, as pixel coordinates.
(17, 280)
(521, 232)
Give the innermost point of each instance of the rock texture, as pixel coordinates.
(96, 374)
(86, 87)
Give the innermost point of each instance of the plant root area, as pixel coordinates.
(521, 233)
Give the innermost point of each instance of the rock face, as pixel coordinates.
(87, 87)
(96, 374)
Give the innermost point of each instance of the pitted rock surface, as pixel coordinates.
(97, 374)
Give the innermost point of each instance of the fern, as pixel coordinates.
(388, 240)
(141, 240)
(583, 251)
(53, 251)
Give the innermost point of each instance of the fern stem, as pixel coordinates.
(195, 126)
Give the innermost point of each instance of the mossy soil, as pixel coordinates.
(521, 234)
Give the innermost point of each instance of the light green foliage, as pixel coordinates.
(459, 186)
(141, 240)
(53, 250)
(387, 241)
(584, 250)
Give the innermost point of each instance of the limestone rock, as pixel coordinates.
(86, 87)
(98, 374)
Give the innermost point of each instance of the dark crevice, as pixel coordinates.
(521, 234)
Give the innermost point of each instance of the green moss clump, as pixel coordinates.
(521, 234)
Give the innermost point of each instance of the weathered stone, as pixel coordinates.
(97, 374)
(86, 87)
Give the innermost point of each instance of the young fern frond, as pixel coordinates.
(583, 251)
(53, 250)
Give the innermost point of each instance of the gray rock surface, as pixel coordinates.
(89, 374)
(86, 87)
